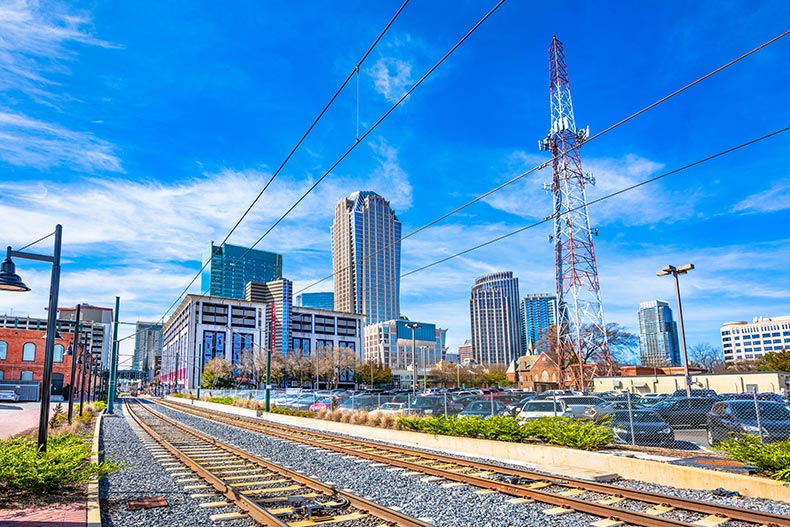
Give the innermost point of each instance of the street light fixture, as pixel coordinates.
(675, 271)
(73, 350)
(10, 281)
(413, 326)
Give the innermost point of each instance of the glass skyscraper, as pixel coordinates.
(538, 313)
(324, 300)
(658, 335)
(230, 267)
(496, 328)
(366, 257)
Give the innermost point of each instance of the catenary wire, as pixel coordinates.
(546, 163)
(602, 198)
(295, 148)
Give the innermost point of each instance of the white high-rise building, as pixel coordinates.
(744, 341)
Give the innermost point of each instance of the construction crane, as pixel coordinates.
(581, 331)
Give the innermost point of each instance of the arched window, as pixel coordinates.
(58, 357)
(3, 349)
(544, 376)
(29, 352)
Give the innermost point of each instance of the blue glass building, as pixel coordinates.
(325, 300)
(538, 313)
(228, 268)
(366, 257)
(658, 335)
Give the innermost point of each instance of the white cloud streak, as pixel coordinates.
(774, 199)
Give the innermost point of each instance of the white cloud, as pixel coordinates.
(391, 77)
(389, 179)
(774, 199)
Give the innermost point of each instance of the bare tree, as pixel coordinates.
(217, 373)
(706, 356)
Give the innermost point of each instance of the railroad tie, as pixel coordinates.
(557, 511)
(659, 510)
(607, 522)
(228, 516)
(214, 504)
(712, 521)
(572, 492)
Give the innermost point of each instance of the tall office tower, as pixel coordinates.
(316, 300)
(278, 297)
(366, 257)
(538, 313)
(496, 330)
(147, 347)
(658, 335)
(228, 268)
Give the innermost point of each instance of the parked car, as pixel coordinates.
(770, 396)
(641, 427)
(434, 405)
(653, 398)
(541, 408)
(390, 408)
(580, 405)
(696, 392)
(359, 403)
(767, 419)
(9, 395)
(684, 411)
(484, 409)
(609, 407)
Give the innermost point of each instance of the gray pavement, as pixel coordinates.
(16, 418)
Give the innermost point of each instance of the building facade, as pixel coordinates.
(658, 335)
(465, 355)
(203, 328)
(366, 257)
(323, 300)
(494, 313)
(147, 347)
(744, 341)
(228, 268)
(538, 313)
(390, 344)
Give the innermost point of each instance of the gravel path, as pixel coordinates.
(441, 504)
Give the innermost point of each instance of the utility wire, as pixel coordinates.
(546, 163)
(293, 150)
(602, 198)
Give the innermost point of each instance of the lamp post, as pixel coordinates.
(413, 326)
(675, 271)
(83, 367)
(74, 352)
(10, 281)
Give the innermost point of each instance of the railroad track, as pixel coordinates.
(615, 505)
(270, 494)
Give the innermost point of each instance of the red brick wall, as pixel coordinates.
(13, 365)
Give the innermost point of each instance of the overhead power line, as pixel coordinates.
(548, 162)
(602, 198)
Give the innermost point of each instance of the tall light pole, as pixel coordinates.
(413, 326)
(675, 271)
(75, 353)
(10, 281)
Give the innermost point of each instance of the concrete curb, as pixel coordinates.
(94, 508)
(555, 460)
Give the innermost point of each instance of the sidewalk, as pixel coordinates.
(18, 417)
(70, 515)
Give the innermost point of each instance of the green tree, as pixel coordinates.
(774, 361)
(217, 373)
(381, 375)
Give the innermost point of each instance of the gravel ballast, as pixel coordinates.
(433, 501)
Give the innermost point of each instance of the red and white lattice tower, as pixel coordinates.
(580, 321)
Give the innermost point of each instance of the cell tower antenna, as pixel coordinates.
(581, 331)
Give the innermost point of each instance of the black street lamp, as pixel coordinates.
(413, 326)
(10, 281)
(74, 352)
(675, 271)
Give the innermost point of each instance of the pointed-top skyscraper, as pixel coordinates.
(366, 257)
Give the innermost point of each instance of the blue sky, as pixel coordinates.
(146, 128)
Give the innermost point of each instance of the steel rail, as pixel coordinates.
(676, 502)
(394, 517)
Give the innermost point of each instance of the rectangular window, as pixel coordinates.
(348, 345)
(26, 376)
(324, 325)
(242, 343)
(302, 323)
(243, 317)
(2, 375)
(213, 345)
(301, 345)
(215, 314)
(3, 349)
(321, 344)
(346, 327)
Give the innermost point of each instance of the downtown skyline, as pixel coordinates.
(147, 149)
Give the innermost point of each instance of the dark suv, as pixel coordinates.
(684, 411)
(434, 405)
(767, 419)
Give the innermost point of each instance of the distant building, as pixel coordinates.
(96, 330)
(278, 297)
(389, 343)
(744, 341)
(147, 347)
(494, 310)
(465, 355)
(324, 300)
(366, 257)
(658, 335)
(538, 314)
(228, 268)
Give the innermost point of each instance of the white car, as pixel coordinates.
(390, 408)
(541, 408)
(9, 395)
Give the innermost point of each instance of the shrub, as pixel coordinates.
(575, 433)
(773, 458)
(99, 405)
(288, 411)
(23, 467)
(58, 416)
(179, 395)
(221, 400)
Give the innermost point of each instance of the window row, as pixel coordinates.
(23, 376)
(29, 352)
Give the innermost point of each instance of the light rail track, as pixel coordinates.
(614, 504)
(270, 494)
